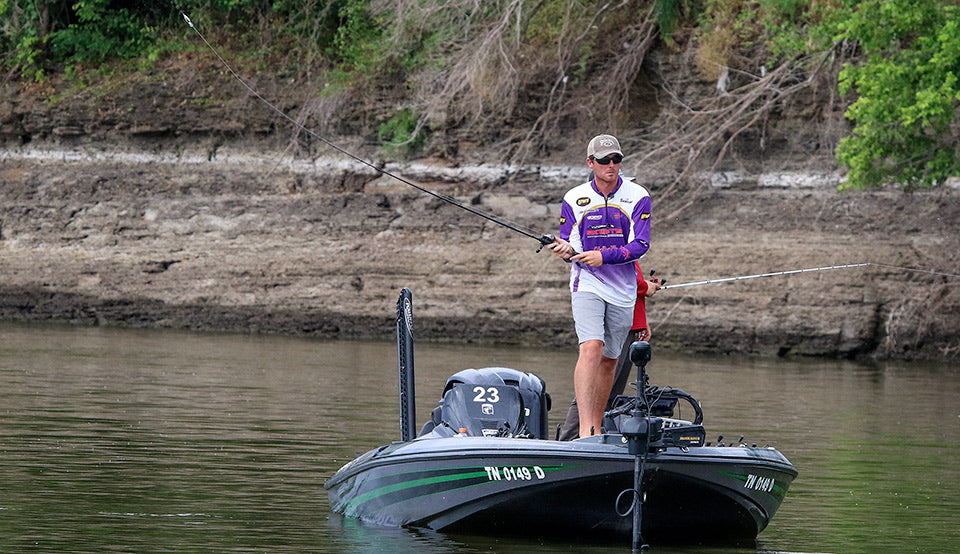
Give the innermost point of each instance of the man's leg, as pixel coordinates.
(592, 381)
(571, 423)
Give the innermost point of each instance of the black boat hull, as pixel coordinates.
(550, 488)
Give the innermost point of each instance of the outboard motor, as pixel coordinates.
(492, 401)
(483, 410)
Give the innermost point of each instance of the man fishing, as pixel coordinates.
(604, 228)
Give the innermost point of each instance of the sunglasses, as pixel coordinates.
(616, 158)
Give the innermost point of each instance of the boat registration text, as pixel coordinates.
(495, 473)
(759, 483)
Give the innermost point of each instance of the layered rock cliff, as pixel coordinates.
(145, 208)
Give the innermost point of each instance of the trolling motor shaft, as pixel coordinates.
(640, 430)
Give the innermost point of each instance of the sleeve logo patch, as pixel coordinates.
(583, 201)
(562, 220)
(644, 215)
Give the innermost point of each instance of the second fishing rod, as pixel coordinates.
(543, 239)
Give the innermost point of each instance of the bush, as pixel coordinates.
(100, 33)
(402, 133)
(907, 93)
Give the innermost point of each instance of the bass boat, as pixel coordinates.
(484, 463)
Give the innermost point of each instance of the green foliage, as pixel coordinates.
(906, 110)
(401, 133)
(784, 29)
(308, 29)
(547, 30)
(27, 53)
(391, 39)
(904, 74)
(546, 22)
(667, 14)
(37, 35)
(220, 13)
(101, 32)
(799, 27)
(358, 42)
(21, 39)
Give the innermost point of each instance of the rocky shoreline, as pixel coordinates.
(238, 240)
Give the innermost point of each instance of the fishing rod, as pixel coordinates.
(544, 239)
(809, 270)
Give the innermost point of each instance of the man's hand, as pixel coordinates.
(652, 287)
(593, 258)
(561, 248)
(644, 334)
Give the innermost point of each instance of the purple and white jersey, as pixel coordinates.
(618, 226)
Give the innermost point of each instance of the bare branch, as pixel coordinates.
(708, 131)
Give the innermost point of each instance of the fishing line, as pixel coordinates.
(809, 270)
(544, 239)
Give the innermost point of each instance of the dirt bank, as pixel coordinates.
(129, 212)
(314, 247)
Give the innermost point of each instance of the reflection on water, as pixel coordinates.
(116, 440)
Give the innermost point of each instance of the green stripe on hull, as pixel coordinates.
(350, 507)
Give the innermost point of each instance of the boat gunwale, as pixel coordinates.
(614, 452)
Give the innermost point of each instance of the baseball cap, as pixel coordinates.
(601, 146)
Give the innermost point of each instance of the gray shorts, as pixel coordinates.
(596, 319)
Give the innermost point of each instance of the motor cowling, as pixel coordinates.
(492, 401)
(483, 410)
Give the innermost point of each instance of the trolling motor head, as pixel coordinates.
(640, 353)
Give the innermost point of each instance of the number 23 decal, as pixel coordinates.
(486, 395)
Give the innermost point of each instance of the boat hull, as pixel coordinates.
(550, 488)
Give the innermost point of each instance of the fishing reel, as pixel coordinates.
(545, 240)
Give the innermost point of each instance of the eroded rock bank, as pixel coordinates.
(245, 240)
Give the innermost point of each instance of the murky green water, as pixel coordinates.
(135, 441)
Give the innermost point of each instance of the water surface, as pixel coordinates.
(120, 440)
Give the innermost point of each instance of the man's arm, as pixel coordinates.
(561, 246)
